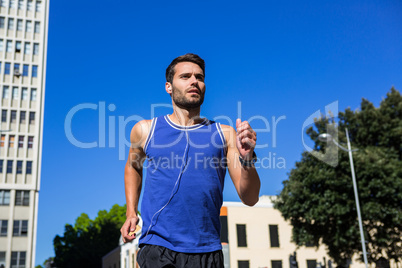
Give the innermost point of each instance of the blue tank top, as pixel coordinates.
(190, 221)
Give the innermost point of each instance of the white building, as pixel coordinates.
(125, 255)
(23, 46)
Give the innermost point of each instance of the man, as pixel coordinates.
(187, 160)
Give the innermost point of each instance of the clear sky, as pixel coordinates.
(279, 61)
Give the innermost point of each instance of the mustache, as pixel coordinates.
(194, 89)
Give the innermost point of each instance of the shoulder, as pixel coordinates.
(230, 134)
(140, 131)
(227, 128)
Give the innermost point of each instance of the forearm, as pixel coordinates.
(249, 186)
(132, 184)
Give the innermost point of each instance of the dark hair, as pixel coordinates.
(189, 57)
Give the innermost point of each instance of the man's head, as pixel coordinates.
(189, 57)
(185, 81)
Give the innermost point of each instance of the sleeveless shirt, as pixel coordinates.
(183, 186)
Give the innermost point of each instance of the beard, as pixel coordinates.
(184, 102)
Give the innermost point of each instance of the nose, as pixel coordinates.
(193, 80)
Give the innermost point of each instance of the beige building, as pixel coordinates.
(23, 46)
(259, 237)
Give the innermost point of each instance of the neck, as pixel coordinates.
(185, 117)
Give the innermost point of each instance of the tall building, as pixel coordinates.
(23, 46)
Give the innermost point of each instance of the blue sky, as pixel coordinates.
(279, 59)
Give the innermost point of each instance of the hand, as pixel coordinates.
(246, 139)
(129, 226)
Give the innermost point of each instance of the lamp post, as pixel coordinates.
(327, 137)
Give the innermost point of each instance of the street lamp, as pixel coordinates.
(325, 137)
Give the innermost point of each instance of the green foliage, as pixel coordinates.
(85, 243)
(318, 199)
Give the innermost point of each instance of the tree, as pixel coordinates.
(85, 243)
(318, 199)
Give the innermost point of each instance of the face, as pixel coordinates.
(188, 87)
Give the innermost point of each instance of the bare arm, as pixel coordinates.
(133, 177)
(245, 179)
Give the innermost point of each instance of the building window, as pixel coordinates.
(25, 70)
(1, 45)
(2, 22)
(3, 3)
(29, 5)
(5, 92)
(10, 23)
(241, 235)
(19, 25)
(243, 264)
(311, 263)
(276, 264)
(2, 259)
(3, 228)
(13, 116)
(18, 259)
(28, 27)
(20, 228)
(4, 197)
(9, 46)
(33, 94)
(17, 70)
(23, 115)
(34, 70)
(24, 92)
(21, 142)
(9, 166)
(7, 69)
(30, 142)
(274, 236)
(27, 49)
(31, 118)
(1, 165)
(37, 27)
(22, 198)
(19, 167)
(2, 140)
(20, 4)
(224, 229)
(29, 167)
(3, 116)
(15, 93)
(36, 49)
(12, 3)
(38, 6)
(18, 46)
(11, 140)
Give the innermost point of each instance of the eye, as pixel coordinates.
(200, 78)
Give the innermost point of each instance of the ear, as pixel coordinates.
(168, 87)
